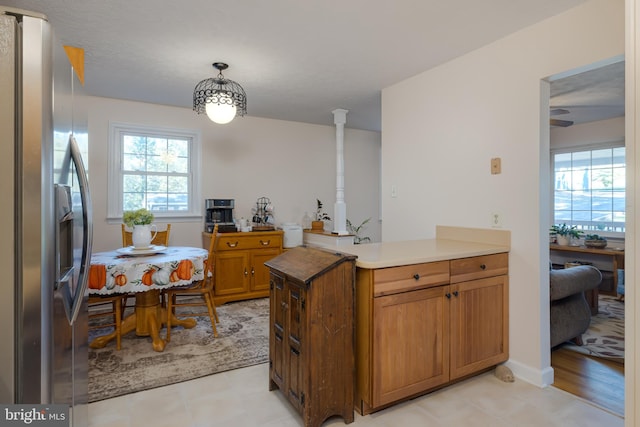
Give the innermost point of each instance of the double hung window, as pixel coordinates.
(589, 188)
(156, 169)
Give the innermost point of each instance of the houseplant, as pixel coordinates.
(595, 241)
(565, 233)
(137, 217)
(321, 216)
(356, 231)
(141, 221)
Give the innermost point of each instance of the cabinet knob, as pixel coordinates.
(416, 276)
(265, 243)
(483, 267)
(232, 245)
(284, 305)
(245, 272)
(448, 295)
(253, 271)
(455, 293)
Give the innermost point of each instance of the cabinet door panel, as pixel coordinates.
(232, 274)
(479, 325)
(411, 347)
(259, 272)
(294, 343)
(277, 351)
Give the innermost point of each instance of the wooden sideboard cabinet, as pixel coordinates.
(311, 350)
(240, 270)
(422, 326)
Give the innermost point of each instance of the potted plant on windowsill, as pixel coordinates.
(141, 222)
(565, 233)
(321, 217)
(595, 241)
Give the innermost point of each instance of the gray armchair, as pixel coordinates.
(570, 313)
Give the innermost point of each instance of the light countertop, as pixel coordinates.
(392, 254)
(446, 246)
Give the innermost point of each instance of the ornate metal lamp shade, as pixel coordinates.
(222, 99)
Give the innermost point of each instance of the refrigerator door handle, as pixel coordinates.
(87, 228)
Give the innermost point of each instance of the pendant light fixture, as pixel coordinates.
(222, 99)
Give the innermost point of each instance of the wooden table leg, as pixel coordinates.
(187, 323)
(128, 325)
(148, 318)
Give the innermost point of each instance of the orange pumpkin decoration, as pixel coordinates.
(174, 276)
(97, 276)
(147, 277)
(185, 269)
(121, 280)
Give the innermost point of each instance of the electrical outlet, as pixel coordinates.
(496, 220)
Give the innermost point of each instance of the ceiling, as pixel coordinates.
(597, 94)
(297, 60)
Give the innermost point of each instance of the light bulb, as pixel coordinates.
(220, 113)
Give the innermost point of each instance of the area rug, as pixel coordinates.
(605, 336)
(242, 341)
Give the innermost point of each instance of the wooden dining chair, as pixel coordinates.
(107, 306)
(184, 296)
(161, 237)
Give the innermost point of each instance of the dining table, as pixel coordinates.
(144, 273)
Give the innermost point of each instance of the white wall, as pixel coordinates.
(610, 130)
(291, 163)
(442, 127)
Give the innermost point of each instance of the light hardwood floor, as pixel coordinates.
(596, 380)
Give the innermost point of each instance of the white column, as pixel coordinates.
(340, 207)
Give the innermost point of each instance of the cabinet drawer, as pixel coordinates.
(387, 281)
(479, 267)
(235, 242)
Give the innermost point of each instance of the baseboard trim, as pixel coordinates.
(538, 377)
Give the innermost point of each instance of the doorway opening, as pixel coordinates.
(587, 191)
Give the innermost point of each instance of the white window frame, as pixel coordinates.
(114, 187)
(588, 147)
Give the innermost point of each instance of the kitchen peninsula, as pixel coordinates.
(428, 312)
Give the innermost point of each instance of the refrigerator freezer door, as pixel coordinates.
(70, 331)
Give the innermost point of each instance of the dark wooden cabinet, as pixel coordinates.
(311, 337)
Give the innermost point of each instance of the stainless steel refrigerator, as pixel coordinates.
(45, 231)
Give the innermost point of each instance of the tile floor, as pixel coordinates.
(240, 398)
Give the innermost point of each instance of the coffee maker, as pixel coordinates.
(218, 211)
